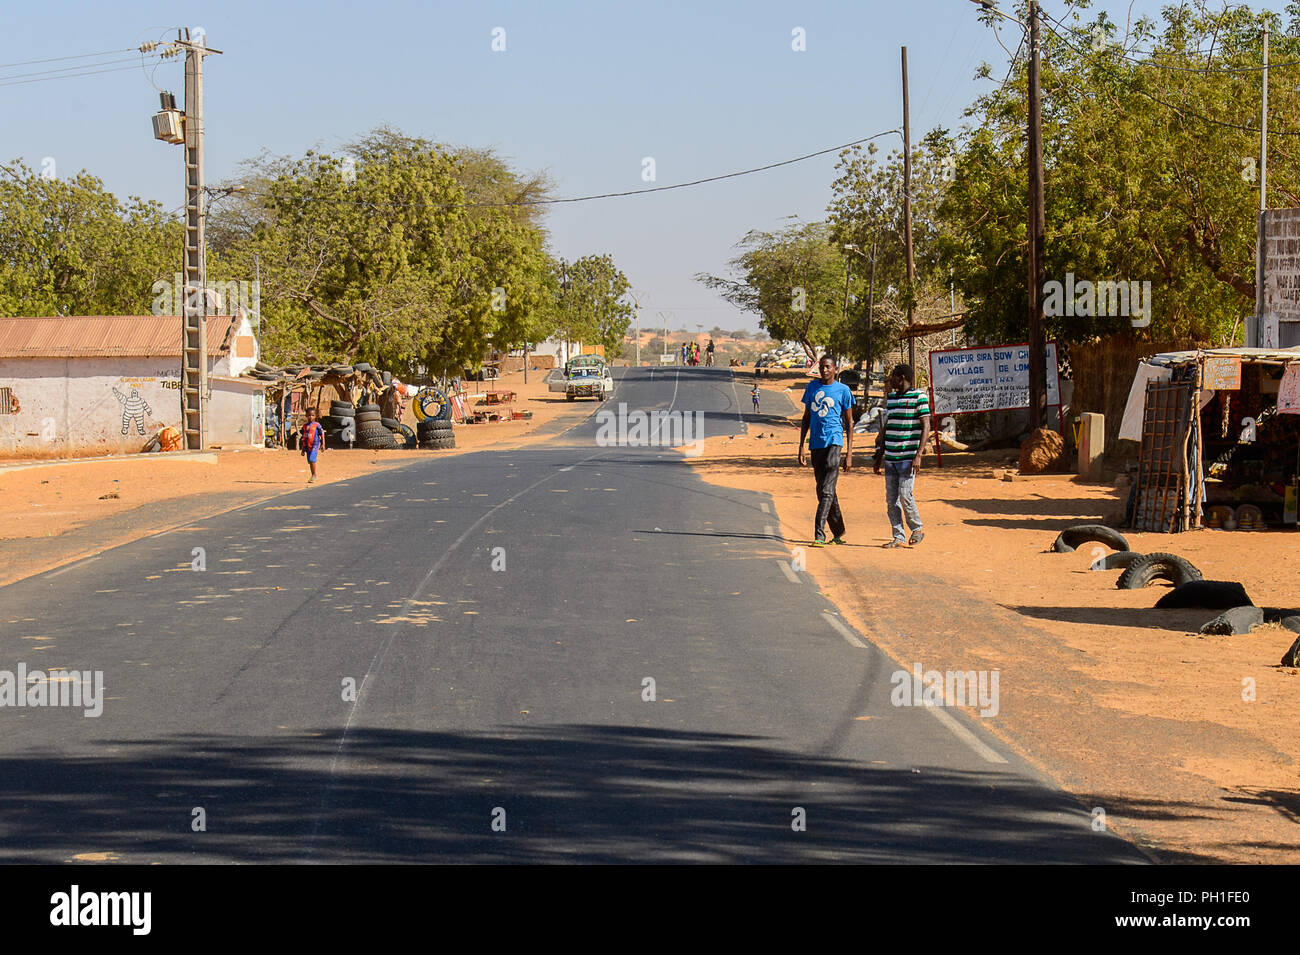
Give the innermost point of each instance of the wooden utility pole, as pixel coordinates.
(1257, 338)
(907, 213)
(1037, 230)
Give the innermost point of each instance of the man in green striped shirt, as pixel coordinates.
(902, 438)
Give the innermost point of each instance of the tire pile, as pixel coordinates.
(435, 434)
(433, 431)
(371, 432)
(340, 425)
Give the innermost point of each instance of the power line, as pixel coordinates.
(67, 76)
(698, 182)
(1182, 111)
(1151, 62)
(79, 56)
(611, 195)
(71, 70)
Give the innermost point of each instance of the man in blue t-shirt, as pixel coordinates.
(828, 426)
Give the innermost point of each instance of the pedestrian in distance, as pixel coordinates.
(754, 394)
(708, 356)
(828, 426)
(900, 443)
(313, 441)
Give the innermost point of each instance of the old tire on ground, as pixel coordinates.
(433, 426)
(369, 419)
(1121, 559)
(1292, 657)
(392, 424)
(342, 407)
(367, 436)
(1070, 538)
(405, 437)
(367, 409)
(1207, 594)
(1235, 621)
(333, 422)
(1150, 567)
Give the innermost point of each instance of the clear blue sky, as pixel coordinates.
(583, 90)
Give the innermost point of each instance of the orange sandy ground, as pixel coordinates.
(43, 502)
(1126, 706)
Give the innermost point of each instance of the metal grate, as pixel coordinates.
(1162, 463)
(6, 401)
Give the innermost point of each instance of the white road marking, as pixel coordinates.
(788, 571)
(767, 529)
(953, 725)
(965, 735)
(64, 570)
(764, 508)
(736, 398)
(838, 626)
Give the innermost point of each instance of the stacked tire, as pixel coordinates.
(340, 425)
(371, 433)
(435, 434)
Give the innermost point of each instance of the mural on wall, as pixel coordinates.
(134, 409)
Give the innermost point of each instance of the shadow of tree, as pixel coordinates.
(585, 793)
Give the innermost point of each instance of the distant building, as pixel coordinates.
(561, 351)
(110, 383)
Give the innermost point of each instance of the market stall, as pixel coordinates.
(1220, 439)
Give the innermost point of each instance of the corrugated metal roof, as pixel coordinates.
(114, 336)
(1247, 354)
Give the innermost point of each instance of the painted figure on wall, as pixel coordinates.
(134, 409)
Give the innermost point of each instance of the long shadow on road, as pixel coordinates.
(570, 793)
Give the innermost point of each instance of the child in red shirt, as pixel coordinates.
(313, 441)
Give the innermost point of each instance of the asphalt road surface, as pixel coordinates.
(499, 614)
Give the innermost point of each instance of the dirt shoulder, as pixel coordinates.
(1126, 706)
(58, 513)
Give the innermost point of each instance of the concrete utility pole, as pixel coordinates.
(194, 273)
(907, 214)
(1037, 233)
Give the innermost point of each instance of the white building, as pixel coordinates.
(108, 384)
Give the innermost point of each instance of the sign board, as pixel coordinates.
(1288, 391)
(1222, 373)
(1281, 305)
(987, 378)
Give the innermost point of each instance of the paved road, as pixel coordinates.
(499, 613)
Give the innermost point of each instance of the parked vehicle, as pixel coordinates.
(585, 376)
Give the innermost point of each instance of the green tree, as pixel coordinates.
(793, 280)
(382, 254)
(69, 247)
(593, 303)
(1150, 139)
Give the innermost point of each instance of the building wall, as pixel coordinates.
(80, 405)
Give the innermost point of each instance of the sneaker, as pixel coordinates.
(838, 540)
(818, 542)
